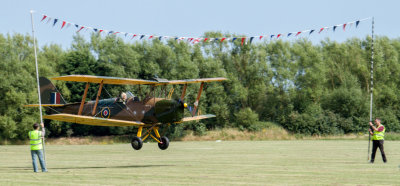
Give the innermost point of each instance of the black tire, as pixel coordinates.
(165, 143)
(137, 143)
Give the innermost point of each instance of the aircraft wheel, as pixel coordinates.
(165, 143)
(136, 143)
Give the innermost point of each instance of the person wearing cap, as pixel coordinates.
(35, 138)
(378, 137)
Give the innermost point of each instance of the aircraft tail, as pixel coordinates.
(49, 93)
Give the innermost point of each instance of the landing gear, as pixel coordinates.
(136, 143)
(164, 143)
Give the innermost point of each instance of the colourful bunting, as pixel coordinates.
(357, 22)
(251, 39)
(80, 29)
(44, 17)
(320, 30)
(195, 39)
(55, 21)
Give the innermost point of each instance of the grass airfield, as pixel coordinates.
(305, 162)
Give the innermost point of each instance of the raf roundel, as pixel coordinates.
(105, 112)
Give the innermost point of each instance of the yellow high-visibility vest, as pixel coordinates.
(379, 135)
(35, 138)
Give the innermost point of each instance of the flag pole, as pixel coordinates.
(372, 83)
(37, 79)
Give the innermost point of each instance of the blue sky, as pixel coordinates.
(193, 18)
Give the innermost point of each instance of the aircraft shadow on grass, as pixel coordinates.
(90, 167)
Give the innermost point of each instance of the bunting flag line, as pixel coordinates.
(66, 24)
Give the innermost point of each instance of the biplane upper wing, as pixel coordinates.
(187, 81)
(196, 118)
(105, 79)
(127, 81)
(89, 120)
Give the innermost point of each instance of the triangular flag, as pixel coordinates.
(216, 39)
(95, 29)
(320, 30)
(222, 40)
(63, 24)
(48, 20)
(243, 39)
(334, 28)
(344, 27)
(261, 37)
(150, 37)
(205, 39)
(251, 39)
(176, 38)
(159, 38)
(311, 32)
(298, 33)
(234, 39)
(115, 33)
(44, 17)
(110, 32)
(134, 35)
(55, 21)
(101, 31)
(279, 35)
(77, 26)
(142, 36)
(289, 34)
(80, 29)
(357, 22)
(272, 36)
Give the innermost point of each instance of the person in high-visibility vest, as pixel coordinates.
(378, 137)
(35, 138)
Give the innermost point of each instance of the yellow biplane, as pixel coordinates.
(127, 110)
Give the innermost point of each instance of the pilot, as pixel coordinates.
(123, 97)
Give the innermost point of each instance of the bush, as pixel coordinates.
(245, 118)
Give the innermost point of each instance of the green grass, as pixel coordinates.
(309, 162)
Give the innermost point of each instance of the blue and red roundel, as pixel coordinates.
(105, 112)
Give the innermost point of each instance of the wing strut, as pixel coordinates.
(183, 92)
(97, 98)
(198, 98)
(83, 99)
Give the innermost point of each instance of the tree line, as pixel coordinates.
(312, 89)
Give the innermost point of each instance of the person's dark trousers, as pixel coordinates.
(375, 145)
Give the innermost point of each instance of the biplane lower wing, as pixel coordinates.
(196, 118)
(89, 120)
